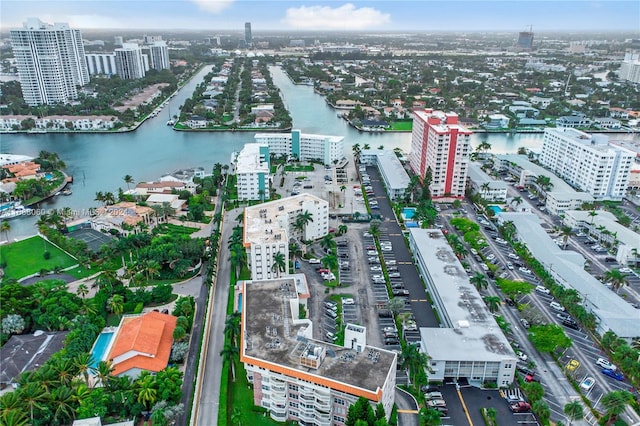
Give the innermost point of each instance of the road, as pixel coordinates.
(205, 411)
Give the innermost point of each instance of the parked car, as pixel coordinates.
(525, 323)
(436, 403)
(510, 265)
(587, 383)
(522, 355)
(542, 289)
(385, 313)
(571, 324)
(614, 374)
(314, 261)
(520, 407)
(556, 306)
(375, 268)
(394, 274)
(433, 395)
(524, 270)
(348, 301)
(604, 363)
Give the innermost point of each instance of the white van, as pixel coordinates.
(556, 306)
(314, 261)
(542, 289)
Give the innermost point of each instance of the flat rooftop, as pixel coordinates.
(443, 127)
(469, 329)
(477, 175)
(567, 267)
(395, 173)
(269, 222)
(559, 185)
(249, 159)
(277, 341)
(610, 222)
(306, 136)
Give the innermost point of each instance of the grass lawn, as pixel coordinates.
(292, 168)
(401, 125)
(170, 228)
(26, 257)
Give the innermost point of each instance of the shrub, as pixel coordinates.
(47, 255)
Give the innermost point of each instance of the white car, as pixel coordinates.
(625, 270)
(372, 253)
(390, 262)
(491, 256)
(509, 265)
(522, 356)
(587, 383)
(377, 277)
(386, 248)
(314, 261)
(604, 363)
(513, 256)
(348, 301)
(542, 289)
(484, 267)
(376, 268)
(556, 306)
(524, 270)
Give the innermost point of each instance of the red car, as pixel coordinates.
(323, 271)
(520, 407)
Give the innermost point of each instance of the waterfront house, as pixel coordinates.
(196, 122)
(124, 217)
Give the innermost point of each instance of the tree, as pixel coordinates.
(342, 229)
(128, 179)
(566, 232)
(493, 303)
(147, 392)
(374, 227)
(513, 288)
(82, 290)
(516, 200)
(616, 278)
(360, 410)
(236, 417)
(534, 391)
(34, 396)
(279, 263)
(5, 227)
(479, 280)
(395, 305)
(13, 324)
(302, 220)
(229, 354)
(430, 417)
(574, 411)
(232, 327)
(541, 409)
(330, 261)
(328, 243)
(615, 403)
(416, 362)
(548, 337)
(115, 304)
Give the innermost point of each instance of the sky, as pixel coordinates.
(333, 15)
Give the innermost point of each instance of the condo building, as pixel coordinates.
(587, 162)
(395, 177)
(440, 144)
(252, 172)
(469, 344)
(490, 189)
(50, 61)
(130, 62)
(304, 147)
(159, 53)
(101, 63)
(299, 378)
(268, 228)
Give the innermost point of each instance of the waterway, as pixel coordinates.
(99, 161)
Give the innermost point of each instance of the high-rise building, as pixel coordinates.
(50, 61)
(630, 68)
(252, 172)
(248, 40)
(118, 40)
(159, 53)
(587, 162)
(525, 40)
(130, 63)
(304, 147)
(101, 63)
(147, 39)
(268, 228)
(441, 145)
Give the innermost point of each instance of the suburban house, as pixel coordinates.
(124, 217)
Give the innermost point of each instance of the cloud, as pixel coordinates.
(346, 17)
(213, 6)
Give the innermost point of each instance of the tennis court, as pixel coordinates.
(93, 238)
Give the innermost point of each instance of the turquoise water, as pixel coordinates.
(408, 212)
(100, 347)
(240, 303)
(496, 209)
(48, 176)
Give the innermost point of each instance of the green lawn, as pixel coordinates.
(26, 257)
(401, 125)
(170, 228)
(292, 168)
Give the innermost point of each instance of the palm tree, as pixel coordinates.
(493, 303)
(115, 304)
(33, 396)
(430, 417)
(415, 361)
(366, 146)
(328, 243)
(516, 200)
(128, 179)
(342, 229)
(484, 146)
(82, 363)
(303, 219)
(574, 411)
(236, 417)
(103, 373)
(5, 227)
(615, 403)
(82, 290)
(232, 327)
(14, 417)
(279, 263)
(146, 389)
(61, 399)
(374, 227)
(566, 232)
(592, 215)
(616, 278)
(479, 280)
(238, 259)
(330, 261)
(230, 353)
(544, 183)
(356, 150)
(485, 187)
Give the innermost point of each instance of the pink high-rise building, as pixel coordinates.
(438, 142)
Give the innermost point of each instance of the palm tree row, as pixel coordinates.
(416, 363)
(237, 252)
(105, 197)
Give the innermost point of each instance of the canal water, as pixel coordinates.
(99, 161)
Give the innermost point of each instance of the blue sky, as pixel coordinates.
(335, 15)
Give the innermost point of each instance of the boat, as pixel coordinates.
(67, 191)
(13, 209)
(170, 123)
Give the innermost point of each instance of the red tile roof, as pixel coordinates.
(143, 342)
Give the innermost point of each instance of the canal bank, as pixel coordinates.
(99, 162)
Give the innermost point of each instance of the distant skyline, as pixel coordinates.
(363, 16)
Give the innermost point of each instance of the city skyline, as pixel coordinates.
(396, 16)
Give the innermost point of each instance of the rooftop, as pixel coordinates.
(521, 161)
(610, 222)
(440, 121)
(275, 339)
(250, 159)
(468, 326)
(26, 352)
(391, 166)
(479, 177)
(567, 267)
(269, 222)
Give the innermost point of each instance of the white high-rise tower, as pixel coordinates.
(159, 55)
(50, 61)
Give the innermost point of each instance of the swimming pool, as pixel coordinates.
(48, 176)
(408, 213)
(496, 209)
(240, 303)
(98, 352)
